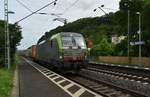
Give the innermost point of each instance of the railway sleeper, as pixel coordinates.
(115, 94)
(101, 88)
(96, 86)
(106, 91)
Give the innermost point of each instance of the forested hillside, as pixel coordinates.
(15, 37)
(100, 29)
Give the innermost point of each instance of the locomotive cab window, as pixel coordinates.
(79, 41)
(73, 41)
(67, 41)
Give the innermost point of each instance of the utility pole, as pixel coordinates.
(128, 5)
(7, 41)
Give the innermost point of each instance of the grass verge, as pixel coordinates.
(6, 79)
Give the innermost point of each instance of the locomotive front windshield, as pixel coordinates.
(67, 41)
(73, 41)
(79, 41)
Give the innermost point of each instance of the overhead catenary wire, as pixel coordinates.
(57, 6)
(30, 11)
(53, 2)
(69, 7)
(22, 4)
(33, 12)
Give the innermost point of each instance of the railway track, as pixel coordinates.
(141, 79)
(113, 84)
(101, 88)
(127, 82)
(130, 70)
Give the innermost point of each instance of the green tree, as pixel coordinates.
(15, 37)
(146, 28)
(103, 48)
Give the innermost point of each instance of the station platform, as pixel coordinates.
(33, 84)
(37, 81)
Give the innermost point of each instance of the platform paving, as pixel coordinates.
(33, 84)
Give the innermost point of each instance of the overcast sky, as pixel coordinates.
(36, 25)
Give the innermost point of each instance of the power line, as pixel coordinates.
(66, 9)
(34, 13)
(62, 13)
(37, 10)
(24, 6)
(70, 6)
(58, 5)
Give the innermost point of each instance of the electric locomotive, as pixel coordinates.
(65, 51)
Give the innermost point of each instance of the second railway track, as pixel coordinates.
(134, 83)
(133, 70)
(139, 78)
(101, 88)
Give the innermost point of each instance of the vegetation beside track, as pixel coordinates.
(6, 79)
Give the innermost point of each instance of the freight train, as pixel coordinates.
(65, 51)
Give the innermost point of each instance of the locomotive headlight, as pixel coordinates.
(60, 57)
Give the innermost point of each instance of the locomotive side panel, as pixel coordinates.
(42, 50)
(48, 52)
(55, 50)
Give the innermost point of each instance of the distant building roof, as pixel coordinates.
(117, 39)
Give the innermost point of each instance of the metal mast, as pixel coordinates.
(128, 35)
(7, 42)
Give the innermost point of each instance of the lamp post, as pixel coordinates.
(127, 5)
(139, 32)
(128, 36)
(100, 9)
